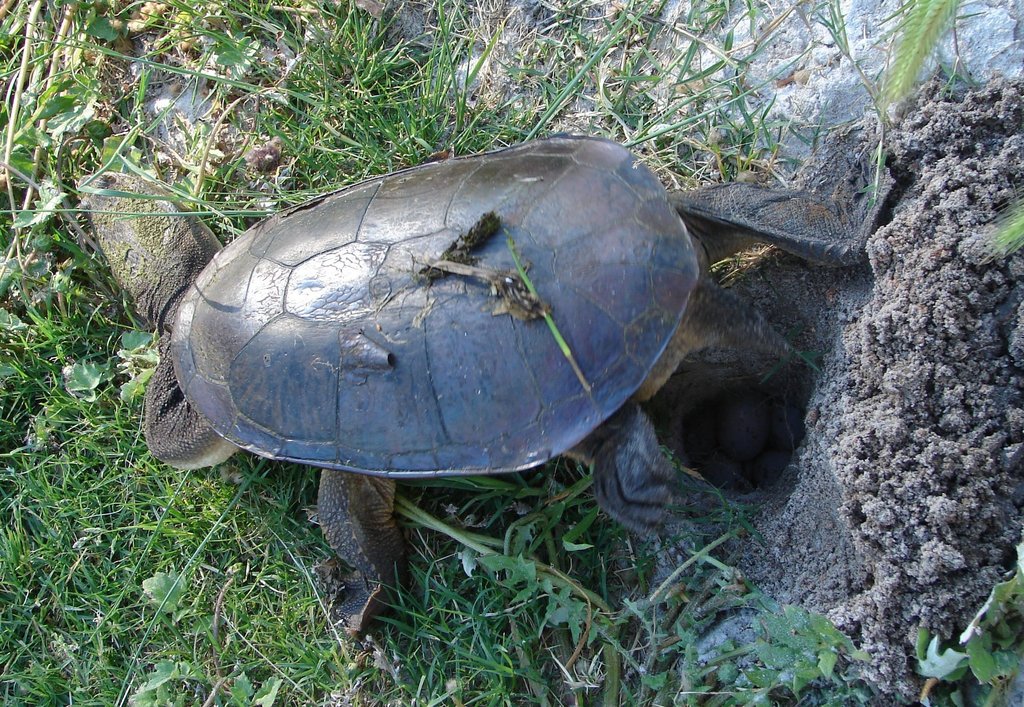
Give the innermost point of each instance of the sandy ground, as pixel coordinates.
(904, 504)
(919, 414)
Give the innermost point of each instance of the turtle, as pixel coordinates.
(409, 325)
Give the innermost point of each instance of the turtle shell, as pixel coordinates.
(316, 337)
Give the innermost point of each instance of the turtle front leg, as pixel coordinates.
(357, 516)
(176, 433)
(633, 481)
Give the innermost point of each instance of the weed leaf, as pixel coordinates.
(268, 693)
(164, 591)
(241, 690)
(937, 663)
(156, 692)
(468, 557)
(11, 322)
(83, 378)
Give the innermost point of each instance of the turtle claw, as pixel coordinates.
(357, 517)
(361, 607)
(355, 599)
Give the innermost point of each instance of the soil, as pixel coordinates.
(925, 424)
(904, 504)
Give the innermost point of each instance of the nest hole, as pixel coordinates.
(735, 428)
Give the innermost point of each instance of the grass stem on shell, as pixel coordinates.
(566, 351)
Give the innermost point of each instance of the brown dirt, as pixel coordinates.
(905, 503)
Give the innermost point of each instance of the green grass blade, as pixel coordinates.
(1009, 236)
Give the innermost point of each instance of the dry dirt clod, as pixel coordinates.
(265, 157)
(461, 249)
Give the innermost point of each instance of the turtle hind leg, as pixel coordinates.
(830, 225)
(356, 514)
(728, 218)
(176, 433)
(633, 481)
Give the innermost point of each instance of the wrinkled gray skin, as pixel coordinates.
(156, 257)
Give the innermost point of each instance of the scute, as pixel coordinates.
(314, 338)
(285, 379)
(331, 223)
(336, 285)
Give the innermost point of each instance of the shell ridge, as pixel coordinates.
(366, 208)
(455, 193)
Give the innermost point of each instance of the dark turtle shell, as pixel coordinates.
(315, 336)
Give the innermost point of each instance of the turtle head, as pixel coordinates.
(153, 250)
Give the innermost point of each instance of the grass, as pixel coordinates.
(122, 580)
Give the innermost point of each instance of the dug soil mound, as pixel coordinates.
(905, 503)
